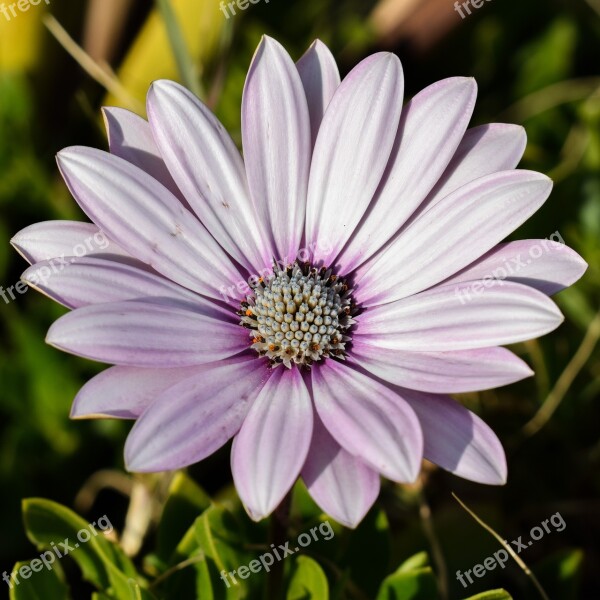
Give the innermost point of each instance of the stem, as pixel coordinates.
(565, 380)
(507, 547)
(277, 535)
(185, 64)
(436, 549)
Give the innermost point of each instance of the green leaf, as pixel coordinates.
(561, 573)
(491, 595)
(102, 563)
(418, 561)
(307, 581)
(223, 537)
(186, 501)
(41, 583)
(416, 584)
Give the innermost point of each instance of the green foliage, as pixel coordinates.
(307, 580)
(41, 583)
(413, 580)
(57, 530)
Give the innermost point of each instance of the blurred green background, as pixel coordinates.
(536, 63)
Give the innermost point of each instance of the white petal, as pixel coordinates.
(431, 127)
(273, 443)
(341, 484)
(458, 440)
(56, 239)
(352, 150)
(483, 150)
(208, 168)
(194, 418)
(130, 137)
(457, 371)
(546, 265)
(320, 78)
(277, 145)
(451, 235)
(369, 420)
(455, 317)
(145, 219)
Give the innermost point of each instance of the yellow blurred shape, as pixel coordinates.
(20, 36)
(150, 56)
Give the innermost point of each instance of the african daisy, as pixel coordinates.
(315, 300)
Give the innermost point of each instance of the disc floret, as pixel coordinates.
(299, 315)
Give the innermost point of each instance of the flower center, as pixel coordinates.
(299, 315)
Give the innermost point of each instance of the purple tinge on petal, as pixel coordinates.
(147, 220)
(351, 152)
(546, 265)
(57, 239)
(271, 447)
(89, 280)
(460, 317)
(277, 144)
(125, 392)
(483, 150)
(208, 167)
(195, 417)
(451, 372)
(340, 483)
(451, 235)
(141, 334)
(369, 420)
(320, 78)
(431, 128)
(130, 137)
(458, 440)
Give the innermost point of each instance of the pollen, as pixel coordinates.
(299, 315)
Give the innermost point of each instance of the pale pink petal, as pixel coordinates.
(369, 420)
(195, 417)
(320, 78)
(341, 484)
(546, 265)
(352, 150)
(277, 145)
(146, 220)
(440, 372)
(56, 239)
(208, 168)
(483, 150)
(90, 280)
(130, 137)
(273, 443)
(458, 440)
(431, 128)
(125, 392)
(454, 317)
(140, 334)
(451, 235)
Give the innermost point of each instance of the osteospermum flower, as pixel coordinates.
(315, 300)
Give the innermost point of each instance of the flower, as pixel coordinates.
(370, 236)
